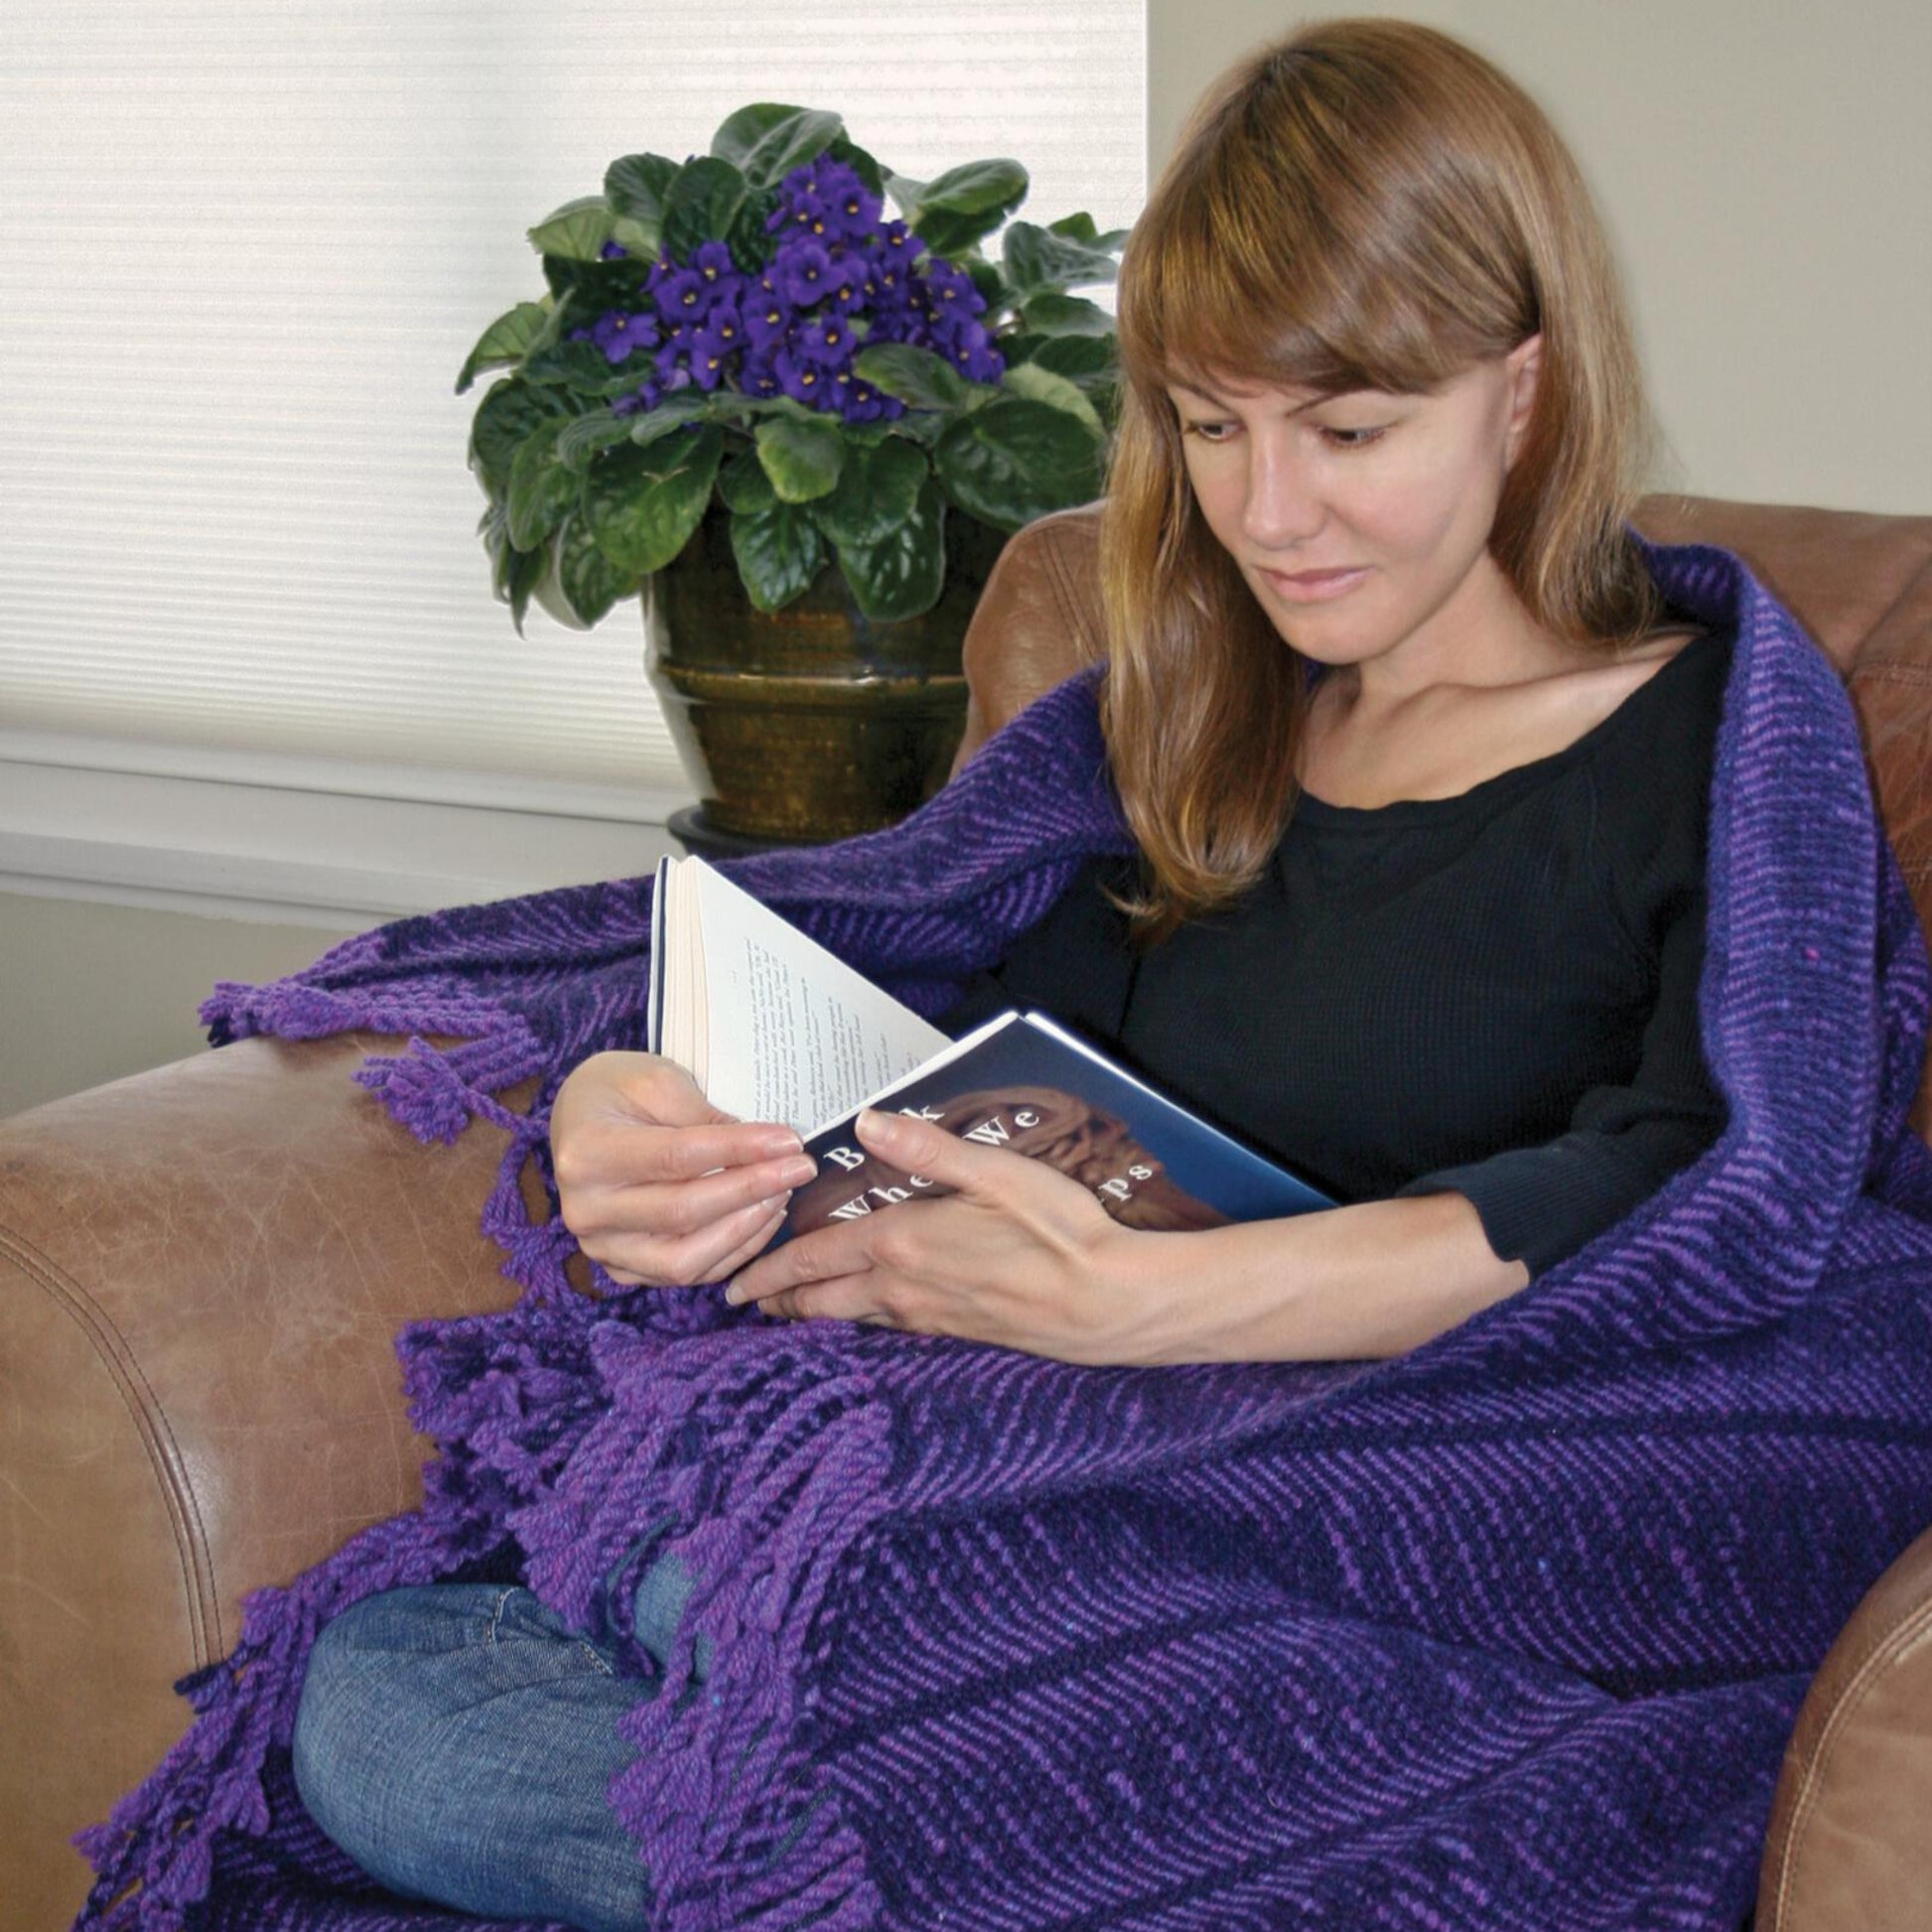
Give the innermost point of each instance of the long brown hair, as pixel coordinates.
(1365, 204)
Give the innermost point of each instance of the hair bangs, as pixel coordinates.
(1301, 240)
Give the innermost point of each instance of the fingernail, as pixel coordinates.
(795, 1174)
(780, 1142)
(733, 1293)
(874, 1122)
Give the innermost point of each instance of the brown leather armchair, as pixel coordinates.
(201, 1270)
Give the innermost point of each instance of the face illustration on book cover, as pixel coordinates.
(1081, 1141)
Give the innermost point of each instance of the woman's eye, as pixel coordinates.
(1209, 431)
(1354, 439)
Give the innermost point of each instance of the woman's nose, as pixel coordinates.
(1284, 504)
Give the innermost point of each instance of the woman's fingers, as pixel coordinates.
(677, 1208)
(708, 1255)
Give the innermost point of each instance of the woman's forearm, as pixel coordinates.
(1373, 1280)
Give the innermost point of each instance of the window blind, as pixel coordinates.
(249, 248)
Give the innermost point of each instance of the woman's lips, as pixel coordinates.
(1311, 586)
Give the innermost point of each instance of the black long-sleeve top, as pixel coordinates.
(1493, 994)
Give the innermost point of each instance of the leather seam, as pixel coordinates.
(1888, 673)
(1072, 612)
(1896, 1642)
(151, 1431)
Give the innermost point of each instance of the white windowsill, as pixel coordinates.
(302, 843)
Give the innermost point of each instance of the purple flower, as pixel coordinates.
(855, 209)
(952, 289)
(851, 279)
(712, 347)
(839, 276)
(766, 314)
(801, 209)
(897, 242)
(805, 272)
(713, 261)
(757, 378)
(618, 334)
(723, 333)
(637, 401)
(681, 295)
(823, 339)
(801, 381)
(972, 349)
(614, 251)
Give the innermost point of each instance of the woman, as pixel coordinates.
(838, 1627)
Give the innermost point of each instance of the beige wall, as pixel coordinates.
(1766, 169)
(90, 993)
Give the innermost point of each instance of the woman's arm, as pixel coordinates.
(1025, 1258)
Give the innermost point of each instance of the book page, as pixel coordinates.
(793, 1033)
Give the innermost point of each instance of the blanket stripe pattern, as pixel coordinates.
(1508, 1633)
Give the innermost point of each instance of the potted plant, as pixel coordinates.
(802, 427)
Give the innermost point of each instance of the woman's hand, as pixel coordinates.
(1020, 1255)
(658, 1186)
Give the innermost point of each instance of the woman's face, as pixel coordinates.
(1362, 522)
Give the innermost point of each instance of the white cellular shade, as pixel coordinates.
(248, 244)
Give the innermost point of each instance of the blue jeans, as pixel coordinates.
(458, 1742)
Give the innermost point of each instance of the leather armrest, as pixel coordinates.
(1848, 1843)
(201, 1273)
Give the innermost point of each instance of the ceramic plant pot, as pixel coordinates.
(816, 722)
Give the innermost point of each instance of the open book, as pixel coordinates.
(772, 1026)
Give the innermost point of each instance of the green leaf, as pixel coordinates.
(1065, 314)
(577, 231)
(749, 242)
(514, 573)
(977, 188)
(585, 436)
(861, 163)
(909, 194)
(1036, 259)
(875, 492)
(674, 412)
(702, 202)
(507, 414)
(505, 341)
(1081, 228)
(744, 485)
(1091, 363)
(916, 377)
(644, 504)
(1015, 460)
(636, 188)
(904, 573)
(581, 365)
(542, 490)
(585, 582)
(992, 287)
(779, 553)
(594, 286)
(802, 457)
(1057, 391)
(1090, 360)
(766, 142)
(952, 213)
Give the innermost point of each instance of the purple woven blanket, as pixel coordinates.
(1507, 1633)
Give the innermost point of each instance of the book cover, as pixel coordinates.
(1023, 1082)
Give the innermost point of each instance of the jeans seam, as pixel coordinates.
(589, 1650)
(496, 1612)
